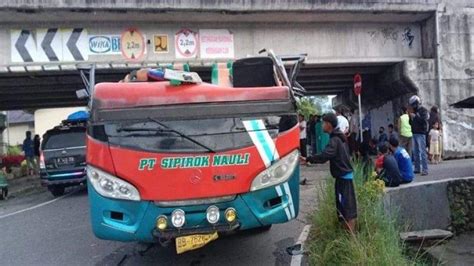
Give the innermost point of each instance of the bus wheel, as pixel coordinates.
(4, 194)
(56, 190)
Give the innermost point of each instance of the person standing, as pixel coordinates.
(419, 124)
(382, 136)
(354, 131)
(303, 149)
(337, 153)
(322, 137)
(312, 134)
(28, 149)
(391, 132)
(434, 138)
(342, 122)
(405, 130)
(434, 118)
(36, 144)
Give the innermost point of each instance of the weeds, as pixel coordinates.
(376, 241)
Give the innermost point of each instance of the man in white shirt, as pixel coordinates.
(342, 123)
(302, 124)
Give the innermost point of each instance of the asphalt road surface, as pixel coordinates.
(40, 230)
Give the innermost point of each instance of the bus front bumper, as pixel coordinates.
(123, 220)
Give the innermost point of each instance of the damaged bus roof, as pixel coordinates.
(141, 94)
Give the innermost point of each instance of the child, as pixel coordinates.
(388, 171)
(434, 137)
(337, 153)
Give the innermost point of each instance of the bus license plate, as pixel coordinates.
(187, 243)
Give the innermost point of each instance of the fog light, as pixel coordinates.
(177, 218)
(230, 215)
(212, 214)
(161, 222)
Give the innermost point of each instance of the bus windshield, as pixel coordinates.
(197, 135)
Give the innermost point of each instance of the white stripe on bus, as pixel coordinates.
(280, 193)
(290, 199)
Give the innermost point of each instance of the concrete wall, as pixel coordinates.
(15, 133)
(234, 5)
(423, 205)
(321, 41)
(382, 117)
(418, 76)
(337, 31)
(457, 54)
(457, 67)
(46, 119)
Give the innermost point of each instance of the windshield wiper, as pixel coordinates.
(159, 130)
(181, 134)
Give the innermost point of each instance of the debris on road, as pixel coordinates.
(431, 234)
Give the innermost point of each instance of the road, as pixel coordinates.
(57, 232)
(447, 169)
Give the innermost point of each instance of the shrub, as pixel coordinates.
(10, 161)
(376, 241)
(14, 150)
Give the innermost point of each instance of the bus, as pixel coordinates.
(189, 162)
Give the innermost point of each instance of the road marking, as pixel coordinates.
(37, 206)
(296, 260)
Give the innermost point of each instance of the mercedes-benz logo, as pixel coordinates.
(194, 179)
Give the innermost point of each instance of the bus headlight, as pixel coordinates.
(178, 218)
(276, 173)
(212, 214)
(110, 186)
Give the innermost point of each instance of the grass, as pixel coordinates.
(376, 241)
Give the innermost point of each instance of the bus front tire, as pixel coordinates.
(57, 191)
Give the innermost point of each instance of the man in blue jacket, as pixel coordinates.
(403, 160)
(28, 149)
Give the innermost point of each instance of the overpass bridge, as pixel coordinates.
(392, 43)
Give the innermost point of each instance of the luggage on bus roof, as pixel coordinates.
(253, 72)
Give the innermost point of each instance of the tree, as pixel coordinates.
(314, 105)
(306, 107)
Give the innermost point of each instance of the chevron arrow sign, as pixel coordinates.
(23, 46)
(49, 45)
(75, 44)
